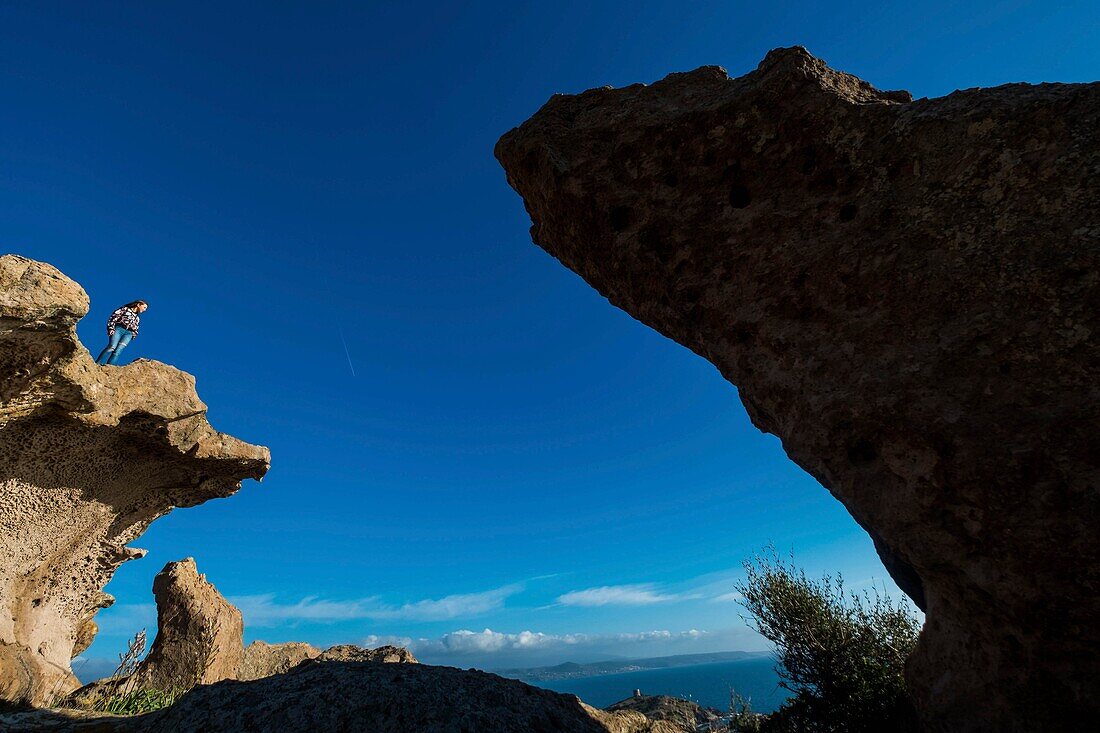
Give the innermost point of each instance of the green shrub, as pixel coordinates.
(841, 654)
(742, 718)
(137, 702)
(119, 693)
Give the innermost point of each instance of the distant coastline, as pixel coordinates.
(708, 685)
(573, 670)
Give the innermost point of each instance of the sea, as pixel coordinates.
(705, 684)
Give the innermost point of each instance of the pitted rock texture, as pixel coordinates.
(907, 293)
(199, 633)
(89, 457)
(352, 653)
(263, 660)
(684, 714)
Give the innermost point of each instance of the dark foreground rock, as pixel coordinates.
(360, 696)
(907, 293)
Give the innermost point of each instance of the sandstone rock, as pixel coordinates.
(264, 660)
(199, 633)
(85, 635)
(352, 653)
(684, 714)
(907, 293)
(89, 457)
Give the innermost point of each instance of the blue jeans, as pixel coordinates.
(118, 342)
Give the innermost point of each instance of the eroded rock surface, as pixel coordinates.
(907, 293)
(89, 457)
(263, 660)
(353, 653)
(199, 633)
(684, 714)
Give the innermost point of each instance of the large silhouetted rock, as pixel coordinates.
(907, 293)
(374, 696)
(89, 456)
(379, 697)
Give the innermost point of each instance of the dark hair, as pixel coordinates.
(135, 304)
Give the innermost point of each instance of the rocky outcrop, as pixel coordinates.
(199, 633)
(200, 641)
(684, 714)
(907, 294)
(264, 660)
(352, 653)
(89, 457)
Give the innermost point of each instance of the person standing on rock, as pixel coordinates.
(122, 327)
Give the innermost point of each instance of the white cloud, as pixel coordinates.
(455, 606)
(467, 642)
(618, 595)
(488, 649)
(732, 597)
(496, 650)
(264, 610)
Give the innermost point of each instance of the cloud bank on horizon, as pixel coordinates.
(543, 625)
(498, 650)
(324, 621)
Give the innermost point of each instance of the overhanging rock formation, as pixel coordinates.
(907, 293)
(89, 457)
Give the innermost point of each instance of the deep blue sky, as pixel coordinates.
(512, 452)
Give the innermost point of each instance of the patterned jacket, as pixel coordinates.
(124, 318)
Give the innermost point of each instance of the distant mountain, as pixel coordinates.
(572, 670)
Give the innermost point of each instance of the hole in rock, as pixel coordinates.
(825, 181)
(809, 161)
(848, 212)
(739, 197)
(619, 218)
(862, 451)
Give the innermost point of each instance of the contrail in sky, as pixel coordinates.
(346, 352)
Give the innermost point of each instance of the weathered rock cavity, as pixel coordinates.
(89, 457)
(907, 293)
